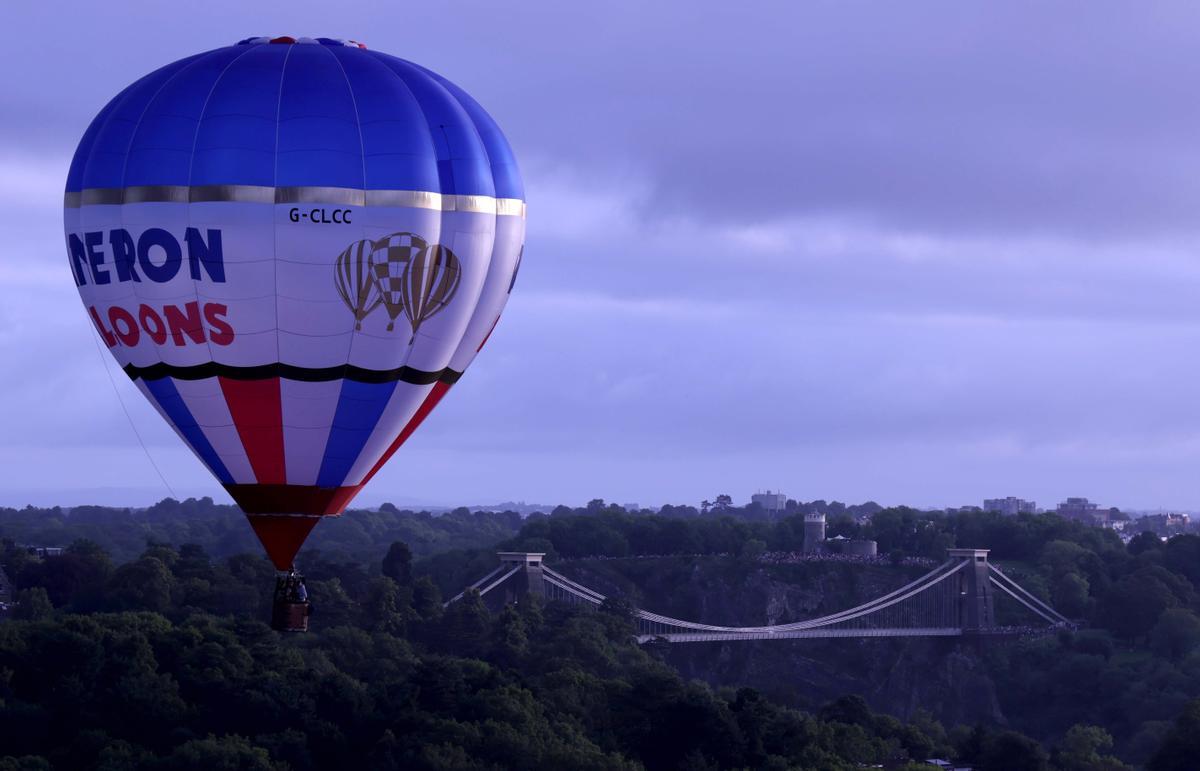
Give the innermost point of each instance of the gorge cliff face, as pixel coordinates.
(944, 676)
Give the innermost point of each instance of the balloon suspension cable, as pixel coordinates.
(117, 391)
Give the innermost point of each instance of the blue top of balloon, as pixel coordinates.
(307, 112)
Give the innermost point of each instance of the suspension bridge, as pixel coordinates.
(954, 599)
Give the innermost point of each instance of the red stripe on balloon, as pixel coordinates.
(257, 412)
(308, 500)
(282, 537)
(435, 395)
(488, 335)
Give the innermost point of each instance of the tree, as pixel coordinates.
(464, 627)
(1181, 747)
(66, 577)
(24, 763)
(1176, 634)
(426, 599)
(1061, 557)
(193, 562)
(1083, 748)
(1070, 595)
(510, 639)
(1131, 607)
(1145, 541)
(382, 607)
(1012, 751)
(851, 710)
(92, 552)
(225, 753)
(1182, 555)
(753, 549)
(397, 563)
(331, 605)
(141, 585)
(33, 604)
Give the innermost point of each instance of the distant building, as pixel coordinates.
(851, 547)
(1083, 510)
(1162, 524)
(964, 510)
(814, 532)
(772, 503)
(1010, 506)
(860, 548)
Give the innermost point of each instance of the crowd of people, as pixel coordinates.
(792, 557)
(590, 557)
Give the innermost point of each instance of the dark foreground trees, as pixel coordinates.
(163, 663)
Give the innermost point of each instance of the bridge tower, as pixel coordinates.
(526, 580)
(976, 597)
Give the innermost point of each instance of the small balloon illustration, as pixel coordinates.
(354, 281)
(429, 284)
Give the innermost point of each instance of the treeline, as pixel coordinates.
(608, 530)
(163, 663)
(222, 531)
(358, 534)
(1087, 573)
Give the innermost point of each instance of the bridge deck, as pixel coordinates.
(792, 634)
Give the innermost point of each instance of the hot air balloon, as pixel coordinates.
(294, 247)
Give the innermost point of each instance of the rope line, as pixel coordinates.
(112, 381)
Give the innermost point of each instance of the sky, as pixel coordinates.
(919, 253)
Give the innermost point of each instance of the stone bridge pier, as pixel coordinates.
(526, 580)
(977, 611)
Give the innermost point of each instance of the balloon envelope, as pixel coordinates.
(294, 248)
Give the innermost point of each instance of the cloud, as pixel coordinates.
(29, 181)
(830, 248)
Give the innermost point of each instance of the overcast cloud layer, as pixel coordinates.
(919, 253)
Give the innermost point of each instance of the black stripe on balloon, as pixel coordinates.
(306, 374)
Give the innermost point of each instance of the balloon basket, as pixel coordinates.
(290, 607)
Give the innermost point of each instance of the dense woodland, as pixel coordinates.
(361, 535)
(156, 655)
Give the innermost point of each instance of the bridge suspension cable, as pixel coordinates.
(952, 599)
(1021, 595)
(481, 582)
(662, 624)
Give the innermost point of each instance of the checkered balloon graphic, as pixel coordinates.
(390, 259)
